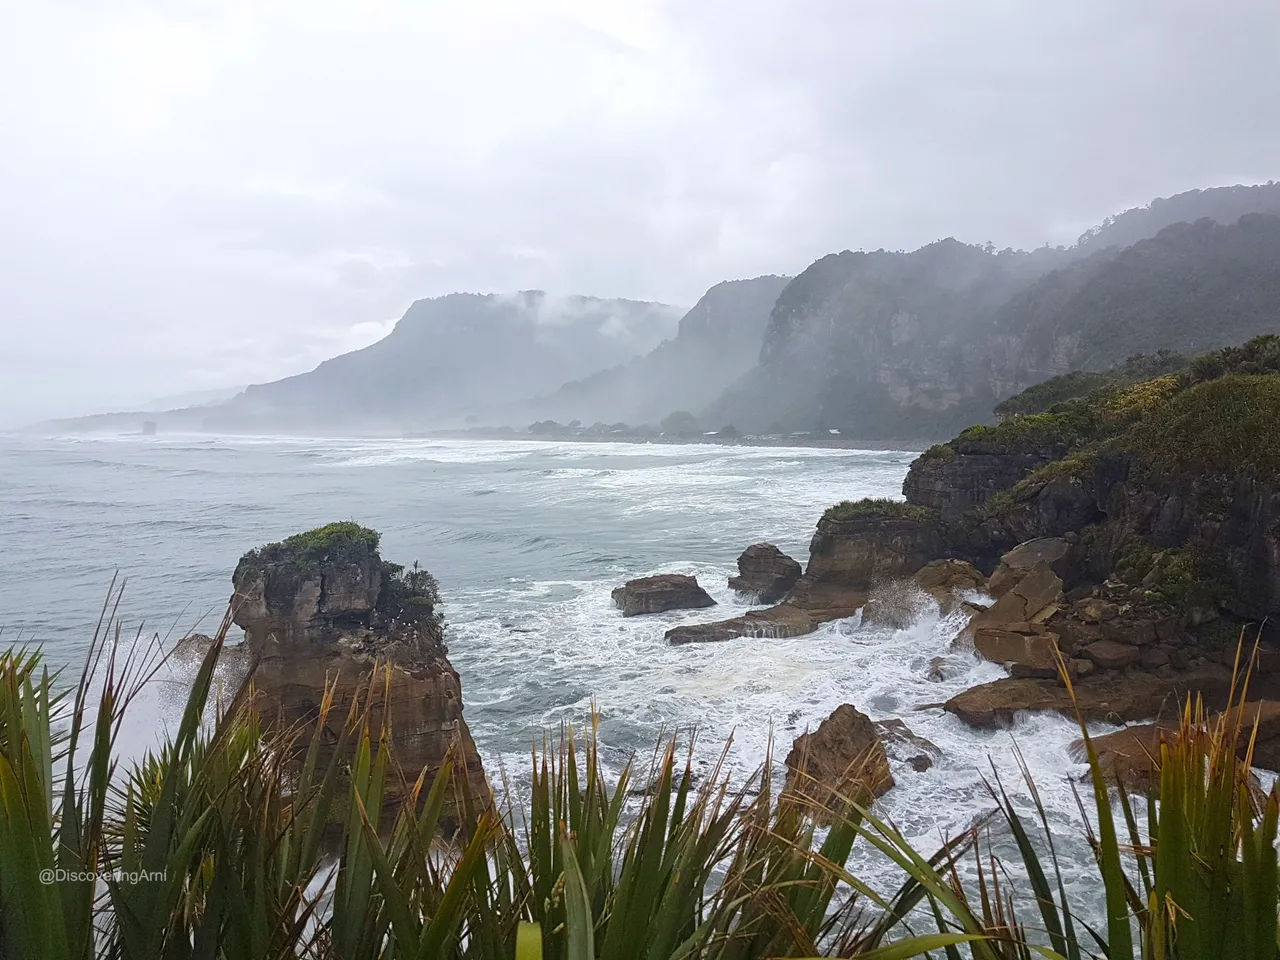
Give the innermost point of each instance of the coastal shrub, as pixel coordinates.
(1229, 425)
(341, 542)
(1041, 396)
(1077, 384)
(1261, 355)
(408, 593)
(1058, 430)
(877, 507)
(214, 845)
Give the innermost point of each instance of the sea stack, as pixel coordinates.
(323, 606)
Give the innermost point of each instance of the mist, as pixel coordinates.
(206, 196)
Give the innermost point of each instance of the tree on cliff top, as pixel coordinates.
(680, 422)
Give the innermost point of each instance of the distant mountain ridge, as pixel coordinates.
(915, 346)
(454, 357)
(880, 345)
(717, 341)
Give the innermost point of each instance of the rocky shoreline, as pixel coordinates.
(1127, 541)
(1111, 552)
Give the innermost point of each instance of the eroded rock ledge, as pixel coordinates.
(1133, 531)
(657, 594)
(848, 552)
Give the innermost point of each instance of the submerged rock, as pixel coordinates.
(765, 572)
(324, 608)
(666, 591)
(905, 746)
(843, 759)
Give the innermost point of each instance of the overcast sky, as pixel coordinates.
(203, 194)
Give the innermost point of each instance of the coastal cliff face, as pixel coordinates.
(1185, 463)
(880, 344)
(324, 608)
(918, 345)
(1133, 529)
(1165, 497)
(452, 357)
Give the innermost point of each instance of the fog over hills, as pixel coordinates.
(452, 358)
(915, 346)
(880, 345)
(717, 341)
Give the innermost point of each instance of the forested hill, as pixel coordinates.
(915, 346)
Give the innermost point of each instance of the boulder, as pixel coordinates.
(1129, 757)
(324, 608)
(946, 580)
(1110, 655)
(1019, 561)
(765, 572)
(1264, 715)
(1027, 654)
(1011, 630)
(901, 744)
(666, 591)
(1132, 756)
(1033, 598)
(842, 759)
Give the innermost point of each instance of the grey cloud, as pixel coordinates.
(218, 194)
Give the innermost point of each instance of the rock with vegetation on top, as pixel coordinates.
(666, 591)
(843, 759)
(765, 572)
(324, 607)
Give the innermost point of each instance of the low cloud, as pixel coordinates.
(214, 194)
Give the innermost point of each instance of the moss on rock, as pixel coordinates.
(341, 542)
(1227, 425)
(869, 508)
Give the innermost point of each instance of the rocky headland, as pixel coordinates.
(321, 611)
(1118, 530)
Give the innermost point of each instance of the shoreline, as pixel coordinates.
(779, 441)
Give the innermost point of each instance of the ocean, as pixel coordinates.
(527, 539)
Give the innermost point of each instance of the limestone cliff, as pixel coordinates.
(892, 345)
(324, 607)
